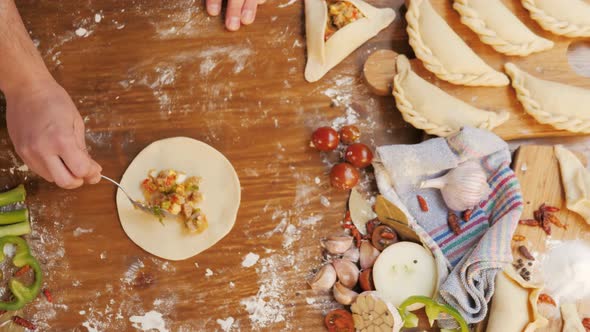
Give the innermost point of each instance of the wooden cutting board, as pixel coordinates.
(537, 170)
(551, 65)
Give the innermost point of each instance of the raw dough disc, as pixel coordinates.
(220, 186)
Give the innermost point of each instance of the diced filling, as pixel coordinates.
(340, 14)
(177, 194)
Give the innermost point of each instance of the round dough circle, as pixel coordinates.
(220, 187)
(402, 270)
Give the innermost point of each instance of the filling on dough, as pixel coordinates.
(340, 14)
(177, 194)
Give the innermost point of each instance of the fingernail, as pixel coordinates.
(214, 9)
(248, 16)
(233, 23)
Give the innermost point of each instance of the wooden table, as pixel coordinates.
(154, 69)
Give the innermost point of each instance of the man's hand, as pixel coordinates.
(238, 12)
(48, 134)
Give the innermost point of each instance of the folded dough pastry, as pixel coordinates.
(332, 34)
(576, 182)
(514, 305)
(443, 52)
(563, 106)
(429, 108)
(569, 18)
(571, 320)
(499, 27)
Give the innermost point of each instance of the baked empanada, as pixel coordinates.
(427, 107)
(499, 27)
(563, 106)
(443, 52)
(335, 29)
(569, 18)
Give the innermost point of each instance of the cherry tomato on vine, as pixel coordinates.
(325, 139)
(350, 134)
(344, 176)
(359, 155)
(339, 320)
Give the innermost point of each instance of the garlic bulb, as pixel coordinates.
(324, 279)
(463, 187)
(347, 272)
(344, 295)
(337, 244)
(369, 255)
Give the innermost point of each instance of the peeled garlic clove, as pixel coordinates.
(324, 279)
(368, 255)
(344, 295)
(352, 254)
(347, 272)
(463, 187)
(337, 244)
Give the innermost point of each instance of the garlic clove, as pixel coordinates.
(337, 244)
(368, 255)
(344, 295)
(324, 279)
(347, 272)
(352, 254)
(463, 187)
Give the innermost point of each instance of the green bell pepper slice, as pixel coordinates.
(433, 310)
(22, 294)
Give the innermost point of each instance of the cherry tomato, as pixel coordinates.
(359, 155)
(366, 280)
(339, 320)
(350, 134)
(344, 176)
(325, 139)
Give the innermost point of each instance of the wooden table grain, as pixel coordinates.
(143, 70)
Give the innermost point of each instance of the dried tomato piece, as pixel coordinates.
(453, 222)
(422, 202)
(48, 295)
(545, 298)
(339, 320)
(529, 222)
(467, 215)
(23, 322)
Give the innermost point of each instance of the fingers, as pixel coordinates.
(249, 11)
(233, 15)
(260, 2)
(94, 175)
(213, 7)
(79, 163)
(60, 173)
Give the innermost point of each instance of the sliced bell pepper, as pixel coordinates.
(433, 310)
(22, 294)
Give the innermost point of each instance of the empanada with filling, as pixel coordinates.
(569, 18)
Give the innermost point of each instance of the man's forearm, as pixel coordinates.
(20, 62)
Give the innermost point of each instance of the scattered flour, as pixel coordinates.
(566, 268)
(79, 231)
(152, 320)
(311, 220)
(133, 271)
(287, 4)
(250, 259)
(208, 273)
(226, 324)
(97, 18)
(82, 32)
(291, 235)
(324, 201)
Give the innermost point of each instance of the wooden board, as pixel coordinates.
(537, 170)
(551, 65)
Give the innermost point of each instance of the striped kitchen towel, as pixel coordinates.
(483, 248)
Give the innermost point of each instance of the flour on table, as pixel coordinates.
(79, 231)
(250, 259)
(97, 17)
(291, 235)
(226, 324)
(82, 32)
(324, 201)
(152, 320)
(286, 4)
(311, 220)
(133, 271)
(208, 273)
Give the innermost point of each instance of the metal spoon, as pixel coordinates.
(151, 209)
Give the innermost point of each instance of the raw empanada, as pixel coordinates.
(499, 27)
(333, 34)
(571, 320)
(429, 108)
(443, 52)
(514, 305)
(563, 106)
(576, 182)
(569, 18)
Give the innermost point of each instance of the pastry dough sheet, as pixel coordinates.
(220, 187)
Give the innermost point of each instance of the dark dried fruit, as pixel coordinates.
(524, 251)
(453, 222)
(383, 236)
(366, 280)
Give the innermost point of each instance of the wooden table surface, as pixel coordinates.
(155, 69)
